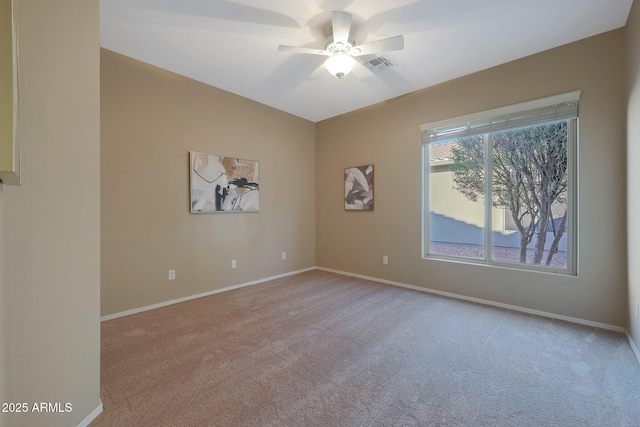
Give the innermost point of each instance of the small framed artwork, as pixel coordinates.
(358, 188)
(223, 184)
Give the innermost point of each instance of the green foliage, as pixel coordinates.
(469, 167)
(528, 177)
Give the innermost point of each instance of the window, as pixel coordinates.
(500, 186)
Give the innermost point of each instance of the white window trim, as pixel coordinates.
(572, 129)
(523, 106)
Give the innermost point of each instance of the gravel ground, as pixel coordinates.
(501, 254)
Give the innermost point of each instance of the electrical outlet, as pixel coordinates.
(172, 274)
(284, 255)
(233, 263)
(385, 259)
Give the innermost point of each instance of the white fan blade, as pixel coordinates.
(295, 49)
(379, 46)
(341, 23)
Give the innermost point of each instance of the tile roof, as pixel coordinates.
(443, 151)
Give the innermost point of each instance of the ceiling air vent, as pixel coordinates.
(378, 64)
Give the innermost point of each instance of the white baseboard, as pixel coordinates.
(92, 416)
(204, 294)
(584, 322)
(482, 301)
(633, 345)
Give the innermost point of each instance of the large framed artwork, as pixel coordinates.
(358, 188)
(223, 184)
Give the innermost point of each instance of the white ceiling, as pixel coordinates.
(232, 44)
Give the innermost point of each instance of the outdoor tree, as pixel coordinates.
(528, 177)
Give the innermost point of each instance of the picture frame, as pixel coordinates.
(223, 184)
(358, 188)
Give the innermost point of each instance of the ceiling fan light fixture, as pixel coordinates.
(339, 64)
(341, 50)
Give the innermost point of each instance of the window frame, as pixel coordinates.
(430, 130)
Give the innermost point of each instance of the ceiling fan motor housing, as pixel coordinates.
(341, 50)
(335, 47)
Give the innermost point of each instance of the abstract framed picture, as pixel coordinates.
(223, 184)
(358, 188)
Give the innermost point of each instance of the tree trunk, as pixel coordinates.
(542, 230)
(524, 241)
(556, 239)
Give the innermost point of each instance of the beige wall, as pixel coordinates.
(387, 135)
(50, 225)
(151, 119)
(633, 170)
(454, 204)
(3, 312)
(6, 86)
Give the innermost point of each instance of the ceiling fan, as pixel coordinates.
(341, 50)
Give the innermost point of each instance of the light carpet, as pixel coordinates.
(322, 349)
